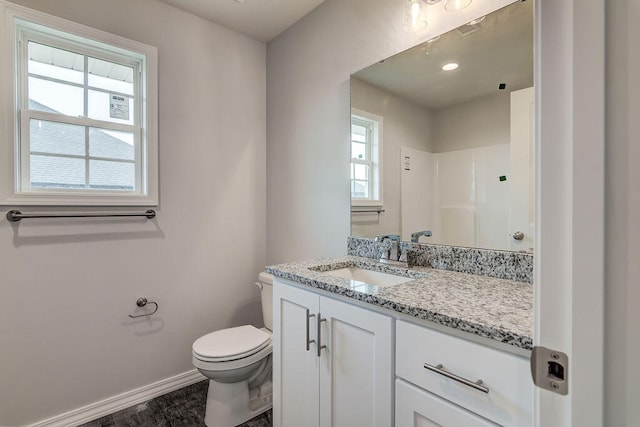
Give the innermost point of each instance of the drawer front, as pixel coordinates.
(418, 408)
(509, 400)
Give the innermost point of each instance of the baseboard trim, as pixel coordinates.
(116, 403)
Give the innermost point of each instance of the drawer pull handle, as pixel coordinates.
(439, 369)
(308, 341)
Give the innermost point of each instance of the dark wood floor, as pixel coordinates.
(182, 408)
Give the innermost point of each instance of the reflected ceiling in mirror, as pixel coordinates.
(456, 148)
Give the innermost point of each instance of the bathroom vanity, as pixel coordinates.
(441, 347)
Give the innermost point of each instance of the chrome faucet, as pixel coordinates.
(415, 236)
(395, 246)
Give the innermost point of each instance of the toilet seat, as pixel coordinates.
(232, 348)
(234, 357)
(231, 343)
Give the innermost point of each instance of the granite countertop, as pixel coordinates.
(493, 308)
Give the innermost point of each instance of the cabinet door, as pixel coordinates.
(295, 369)
(356, 372)
(416, 407)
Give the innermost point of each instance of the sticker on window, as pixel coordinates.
(118, 107)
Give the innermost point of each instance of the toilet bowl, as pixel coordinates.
(238, 363)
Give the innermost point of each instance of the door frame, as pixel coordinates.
(570, 142)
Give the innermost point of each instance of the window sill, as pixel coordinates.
(60, 199)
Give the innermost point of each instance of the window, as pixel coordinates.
(85, 115)
(366, 161)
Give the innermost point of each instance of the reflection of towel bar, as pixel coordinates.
(365, 209)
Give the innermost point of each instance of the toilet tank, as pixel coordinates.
(265, 283)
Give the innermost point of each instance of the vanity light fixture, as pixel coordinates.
(414, 15)
(415, 11)
(455, 5)
(450, 66)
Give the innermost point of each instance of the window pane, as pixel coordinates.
(361, 172)
(358, 133)
(54, 97)
(56, 172)
(100, 108)
(360, 189)
(111, 144)
(56, 63)
(105, 175)
(56, 138)
(359, 151)
(110, 76)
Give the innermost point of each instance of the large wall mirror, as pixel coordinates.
(442, 137)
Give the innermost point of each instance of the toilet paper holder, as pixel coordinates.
(141, 302)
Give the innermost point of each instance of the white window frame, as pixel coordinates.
(18, 22)
(374, 126)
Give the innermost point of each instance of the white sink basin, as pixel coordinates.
(368, 276)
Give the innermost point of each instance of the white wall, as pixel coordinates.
(66, 286)
(406, 124)
(308, 69)
(477, 123)
(472, 204)
(622, 271)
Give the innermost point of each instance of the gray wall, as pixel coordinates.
(66, 287)
(622, 269)
(308, 69)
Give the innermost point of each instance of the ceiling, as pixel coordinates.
(262, 20)
(497, 50)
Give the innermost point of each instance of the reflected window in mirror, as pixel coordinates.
(366, 164)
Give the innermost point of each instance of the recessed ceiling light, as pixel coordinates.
(450, 66)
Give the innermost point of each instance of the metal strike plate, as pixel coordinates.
(550, 370)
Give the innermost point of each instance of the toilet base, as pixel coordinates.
(231, 404)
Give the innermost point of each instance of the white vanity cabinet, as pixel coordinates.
(347, 383)
(439, 396)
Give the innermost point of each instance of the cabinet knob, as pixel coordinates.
(518, 235)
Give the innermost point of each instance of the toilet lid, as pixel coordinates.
(227, 343)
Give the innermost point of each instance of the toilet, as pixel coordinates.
(237, 362)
